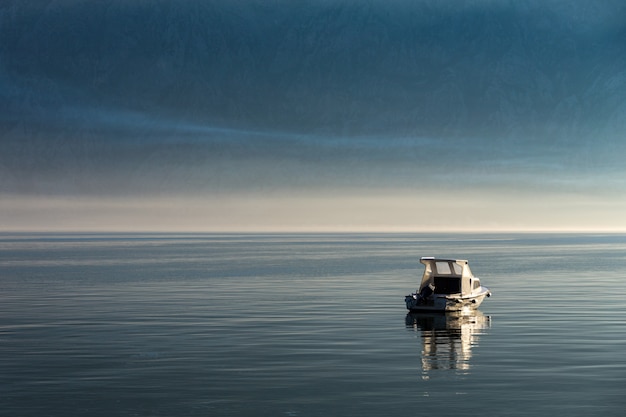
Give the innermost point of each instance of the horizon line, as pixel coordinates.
(312, 232)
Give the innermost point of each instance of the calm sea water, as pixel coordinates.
(307, 325)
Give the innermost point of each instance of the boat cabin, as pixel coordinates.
(447, 276)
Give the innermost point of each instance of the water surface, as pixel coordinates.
(307, 325)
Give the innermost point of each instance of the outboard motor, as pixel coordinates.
(427, 291)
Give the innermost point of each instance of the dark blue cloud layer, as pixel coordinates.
(116, 97)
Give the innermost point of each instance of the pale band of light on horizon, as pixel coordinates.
(257, 214)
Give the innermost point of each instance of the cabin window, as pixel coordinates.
(443, 268)
(457, 268)
(476, 284)
(447, 285)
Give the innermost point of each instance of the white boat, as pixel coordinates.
(447, 285)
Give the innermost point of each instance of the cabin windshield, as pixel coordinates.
(443, 268)
(448, 268)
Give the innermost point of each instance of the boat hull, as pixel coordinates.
(443, 303)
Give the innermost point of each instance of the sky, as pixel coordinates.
(315, 116)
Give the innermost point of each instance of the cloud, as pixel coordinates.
(129, 153)
(232, 100)
(409, 68)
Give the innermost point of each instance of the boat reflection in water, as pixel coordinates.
(447, 338)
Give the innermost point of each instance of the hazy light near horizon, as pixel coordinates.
(433, 212)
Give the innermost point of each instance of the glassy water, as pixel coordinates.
(307, 325)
